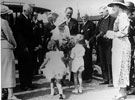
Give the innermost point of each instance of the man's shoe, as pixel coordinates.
(62, 96)
(75, 91)
(104, 83)
(13, 98)
(110, 85)
(24, 88)
(88, 81)
(32, 87)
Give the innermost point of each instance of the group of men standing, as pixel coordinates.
(30, 36)
(30, 33)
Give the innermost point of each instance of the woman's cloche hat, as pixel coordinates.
(117, 2)
(5, 10)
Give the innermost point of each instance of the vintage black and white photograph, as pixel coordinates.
(67, 49)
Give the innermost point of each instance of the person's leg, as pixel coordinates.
(35, 63)
(121, 93)
(22, 59)
(52, 86)
(87, 74)
(102, 53)
(59, 86)
(60, 89)
(80, 81)
(75, 83)
(11, 94)
(91, 62)
(109, 65)
(98, 55)
(30, 70)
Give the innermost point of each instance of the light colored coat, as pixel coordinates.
(8, 44)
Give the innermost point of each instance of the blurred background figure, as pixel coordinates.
(130, 10)
(38, 31)
(104, 44)
(8, 44)
(48, 27)
(88, 31)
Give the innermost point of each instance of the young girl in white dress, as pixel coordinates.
(77, 54)
(54, 68)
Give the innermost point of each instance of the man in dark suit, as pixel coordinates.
(71, 22)
(24, 32)
(38, 31)
(88, 31)
(105, 45)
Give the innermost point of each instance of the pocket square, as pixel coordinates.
(88, 29)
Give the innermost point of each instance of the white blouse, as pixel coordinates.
(121, 27)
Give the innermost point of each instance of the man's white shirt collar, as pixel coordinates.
(106, 17)
(25, 15)
(85, 22)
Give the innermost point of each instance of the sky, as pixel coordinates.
(90, 7)
(85, 6)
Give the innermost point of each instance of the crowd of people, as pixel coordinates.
(63, 51)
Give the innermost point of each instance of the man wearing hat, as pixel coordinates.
(24, 32)
(104, 44)
(130, 10)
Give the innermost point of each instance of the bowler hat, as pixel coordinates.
(117, 2)
(5, 10)
(130, 5)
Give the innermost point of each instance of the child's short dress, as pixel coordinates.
(77, 54)
(55, 68)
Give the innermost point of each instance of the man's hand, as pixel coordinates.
(110, 34)
(87, 43)
(37, 48)
(40, 71)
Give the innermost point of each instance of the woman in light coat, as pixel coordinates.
(8, 44)
(121, 49)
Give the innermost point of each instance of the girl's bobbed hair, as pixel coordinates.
(53, 44)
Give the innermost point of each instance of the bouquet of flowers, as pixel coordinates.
(67, 44)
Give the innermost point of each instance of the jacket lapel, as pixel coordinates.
(84, 27)
(70, 24)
